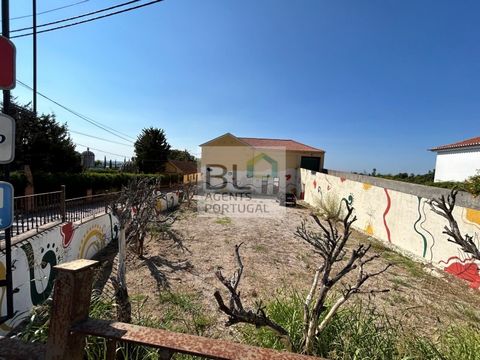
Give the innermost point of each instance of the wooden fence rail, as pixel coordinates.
(69, 324)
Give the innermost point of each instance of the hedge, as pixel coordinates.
(78, 184)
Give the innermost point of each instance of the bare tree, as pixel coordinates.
(444, 207)
(236, 311)
(136, 208)
(188, 191)
(329, 244)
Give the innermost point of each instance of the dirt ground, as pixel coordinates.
(181, 265)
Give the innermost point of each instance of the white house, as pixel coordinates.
(457, 161)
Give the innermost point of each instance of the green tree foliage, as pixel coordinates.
(42, 143)
(182, 155)
(473, 184)
(151, 150)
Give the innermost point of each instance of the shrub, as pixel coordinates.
(330, 208)
(473, 184)
(78, 184)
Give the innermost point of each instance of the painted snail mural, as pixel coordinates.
(401, 219)
(33, 261)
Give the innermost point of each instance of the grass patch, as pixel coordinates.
(358, 332)
(183, 312)
(414, 268)
(36, 330)
(260, 248)
(397, 282)
(224, 220)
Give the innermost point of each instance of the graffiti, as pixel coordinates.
(473, 217)
(67, 231)
(369, 229)
(406, 218)
(366, 186)
(465, 269)
(385, 215)
(49, 258)
(424, 239)
(33, 276)
(93, 241)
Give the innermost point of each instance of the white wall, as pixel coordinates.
(400, 219)
(33, 261)
(457, 165)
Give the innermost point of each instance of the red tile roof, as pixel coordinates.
(461, 144)
(187, 167)
(291, 145)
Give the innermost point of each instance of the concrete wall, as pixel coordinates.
(457, 165)
(34, 258)
(398, 214)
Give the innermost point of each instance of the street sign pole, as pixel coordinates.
(8, 234)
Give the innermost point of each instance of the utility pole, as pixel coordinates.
(34, 7)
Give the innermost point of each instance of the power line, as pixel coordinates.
(49, 11)
(102, 151)
(78, 16)
(99, 138)
(83, 117)
(89, 20)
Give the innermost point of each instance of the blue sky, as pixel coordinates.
(374, 83)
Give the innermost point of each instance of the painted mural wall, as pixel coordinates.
(34, 258)
(400, 219)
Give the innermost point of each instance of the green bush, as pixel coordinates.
(473, 184)
(78, 184)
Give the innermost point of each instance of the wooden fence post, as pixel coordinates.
(71, 304)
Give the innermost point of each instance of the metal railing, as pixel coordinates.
(39, 211)
(82, 207)
(33, 211)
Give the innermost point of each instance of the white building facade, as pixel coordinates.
(457, 161)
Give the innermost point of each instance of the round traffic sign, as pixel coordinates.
(7, 64)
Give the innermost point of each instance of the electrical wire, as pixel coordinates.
(99, 138)
(51, 10)
(89, 20)
(102, 151)
(89, 120)
(78, 16)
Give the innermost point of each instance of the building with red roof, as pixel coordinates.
(264, 165)
(457, 161)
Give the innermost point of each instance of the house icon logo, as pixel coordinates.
(256, 159)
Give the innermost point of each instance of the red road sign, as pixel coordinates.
(7, 64)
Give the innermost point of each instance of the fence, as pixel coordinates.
(69, 324)
(82, 207)
(32, 212)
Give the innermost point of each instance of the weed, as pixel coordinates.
(414, 268)
(260, 248)
(330, 208)
(397, 281)
(224, 220)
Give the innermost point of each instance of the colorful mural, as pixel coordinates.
(33, 261)
(403, 220)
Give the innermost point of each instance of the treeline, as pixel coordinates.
(471, 185)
